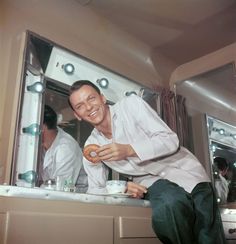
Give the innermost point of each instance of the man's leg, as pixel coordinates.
(208, 226)
(173, 214)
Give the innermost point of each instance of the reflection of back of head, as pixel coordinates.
(50, 118)
(221, 164)
(50, 127)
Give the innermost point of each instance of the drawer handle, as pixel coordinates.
(231, 231)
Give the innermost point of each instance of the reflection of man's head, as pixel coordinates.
(50, 118)
(49, 124)
(222, 165)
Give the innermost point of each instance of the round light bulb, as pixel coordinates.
(29, 176)
(37, 87)
(103, 82)
(221, 131)
(213, 148)
(69, 68)
(33, 129)
(128, 93)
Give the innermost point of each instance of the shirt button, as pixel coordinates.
(162, 173)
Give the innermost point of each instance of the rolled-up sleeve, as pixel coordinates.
(97, 175)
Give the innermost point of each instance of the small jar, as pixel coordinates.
(50, 184)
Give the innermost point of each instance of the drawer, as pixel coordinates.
(135, 227)
(230, 230)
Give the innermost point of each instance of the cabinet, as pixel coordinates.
(36, 221)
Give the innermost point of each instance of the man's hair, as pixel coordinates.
(221, 163)
(50, 118)
(78, 84)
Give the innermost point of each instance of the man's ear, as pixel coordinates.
(104, 99)
(44, 127)
(77, 117)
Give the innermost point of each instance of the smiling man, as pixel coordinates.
(135, 142)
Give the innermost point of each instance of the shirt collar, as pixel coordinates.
(113, 114)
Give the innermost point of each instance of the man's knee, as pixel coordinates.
(169, 203)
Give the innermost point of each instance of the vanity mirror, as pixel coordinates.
(222, 151)
(48, 72)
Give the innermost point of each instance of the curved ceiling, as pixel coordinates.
(180, 31)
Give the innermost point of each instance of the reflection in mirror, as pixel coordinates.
(48, 73)
(222, 149)
(56, 96)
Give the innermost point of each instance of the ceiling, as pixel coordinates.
(179, 30)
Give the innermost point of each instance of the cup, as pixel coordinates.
(69, 186)
(60, 182)
(116, 186)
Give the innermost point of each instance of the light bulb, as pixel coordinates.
(103, 82)
(213, 148)
(128, 93)
(221, 131)
(29, 176)
(69, 68)
(33, 130)
(37, 87)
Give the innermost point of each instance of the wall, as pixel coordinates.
(1, 82)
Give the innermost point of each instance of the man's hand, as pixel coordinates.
(136, 190)
(115, 152)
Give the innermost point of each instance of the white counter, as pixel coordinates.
(39, 193)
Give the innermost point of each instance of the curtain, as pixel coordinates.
(174, 114)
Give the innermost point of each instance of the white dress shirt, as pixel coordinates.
(134, 122)
(63, 158)
(222, 188)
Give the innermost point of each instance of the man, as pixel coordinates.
(63, 156)
(134, 141)
(221, 183)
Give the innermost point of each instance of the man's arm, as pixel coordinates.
(68, 162)
(115, 152)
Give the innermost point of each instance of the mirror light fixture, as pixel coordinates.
(222, 132)
(128, 93)
(37, 87)
(69, 68)
(103, 82)
(33, 129)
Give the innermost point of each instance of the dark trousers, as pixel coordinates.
(179, 217)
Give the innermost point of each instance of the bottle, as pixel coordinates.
(29, 177)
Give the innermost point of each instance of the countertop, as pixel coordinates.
(39, 193)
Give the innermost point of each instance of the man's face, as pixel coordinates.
(88, 105)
